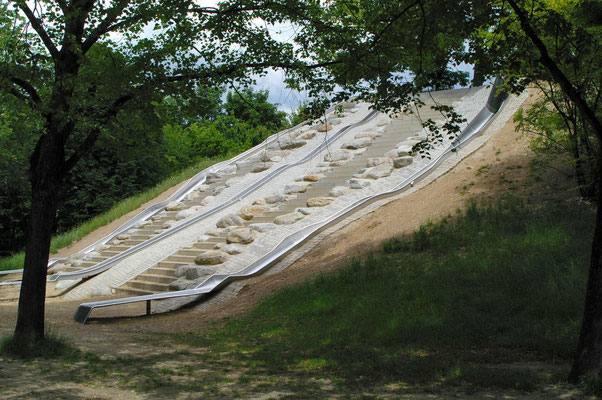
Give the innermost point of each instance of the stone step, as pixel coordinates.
(144, 285)
(139, 237)
(132, 242)
(148, 277)
(109, 253)
(203, 246)
(118, 248)
(170, 264)
(189, 252)
(182, 258)
(214, 239)
(167, 269)
(130, 292)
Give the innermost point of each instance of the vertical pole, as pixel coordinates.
(148, 307)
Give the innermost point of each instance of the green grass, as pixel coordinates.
(455, 303)
(121, 208)
(51, 347)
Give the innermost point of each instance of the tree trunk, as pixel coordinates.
(45, 175)
(588, 358)
(478, 77)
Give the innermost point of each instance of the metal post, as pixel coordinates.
(148, 307)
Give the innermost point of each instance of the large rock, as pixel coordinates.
(408, 142)
(270, 155)
(380, 171)
(391, 153)
(240, 235)
(304, 211)
(246, 163)
(141, 224)
(313, 177)
(289, 144)
(229, 220)
(91, 255)
(191, 196)
(122, 236)
(277, 198)
(338, 191)
(218, 189)
(404, 150)
(308, 135)
(215, 232)
(181, 284)
(56, 268)
(207, 200)
(338, 155)
(169, 224)
(233, 181)
(368, 135)
(174, 206)
(295, 188)
(202, 188)
(261, 166)
(211, 257)
(335, 121)
(319, 201)
(231, 248)
(324, 127)
(357, 144)
(249, 212)
(262, 227)
(358, 183)
(288, 219)
(374, 161)
(382, 121)
(188, 213)
(191, 272)
(102, 247)
(212, 177)
(403, 161)
(228, 169)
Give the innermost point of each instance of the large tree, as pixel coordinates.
(388, 51)
(57, 60)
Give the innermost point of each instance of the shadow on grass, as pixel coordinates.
(51, 346)
(496, 284)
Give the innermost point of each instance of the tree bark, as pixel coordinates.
(45, 175)
(588, 358)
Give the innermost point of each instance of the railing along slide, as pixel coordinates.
(298, 238)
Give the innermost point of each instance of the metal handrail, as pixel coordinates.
(296, 239)
(108, 263)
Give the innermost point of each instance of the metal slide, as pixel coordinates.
(104, 265)
(293, 241)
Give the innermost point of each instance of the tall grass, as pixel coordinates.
(121, 208)
(498, 282)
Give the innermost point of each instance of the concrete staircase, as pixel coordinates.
(159, 277)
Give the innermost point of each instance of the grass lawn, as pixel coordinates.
(457, 302)
(488, 301)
